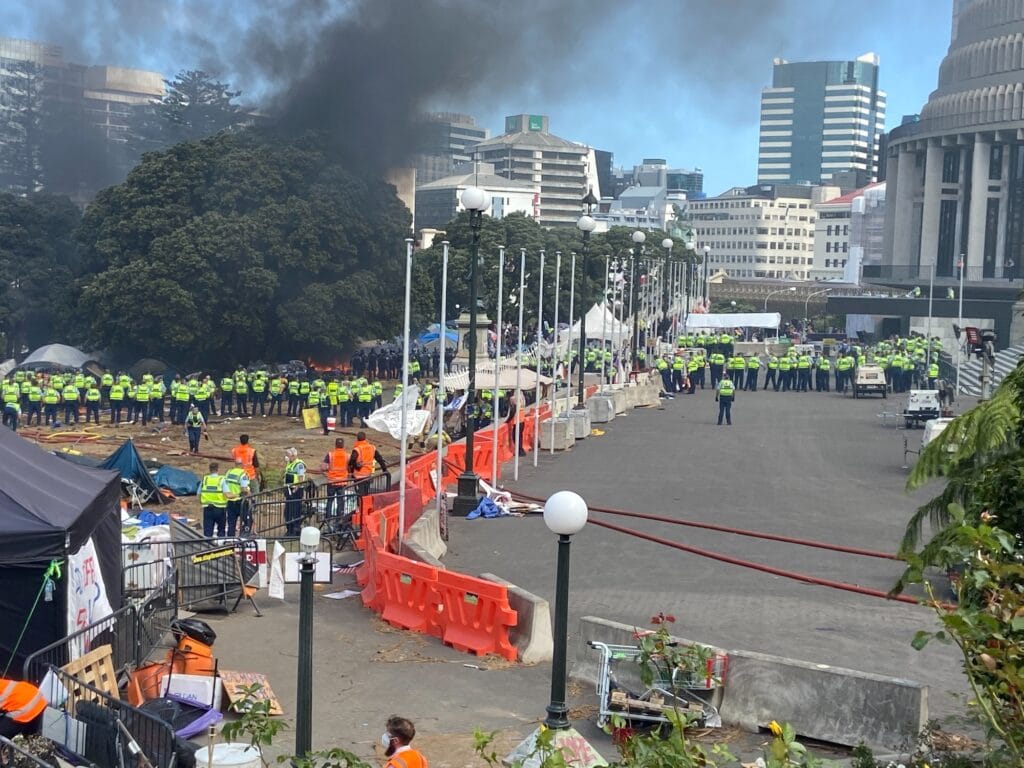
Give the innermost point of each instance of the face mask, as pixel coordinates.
(385, 739)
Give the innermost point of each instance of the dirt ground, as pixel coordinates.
(167, 444)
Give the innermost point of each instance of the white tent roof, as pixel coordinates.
(485, 377)
(735, 320)
(57, 354)
(598, 317)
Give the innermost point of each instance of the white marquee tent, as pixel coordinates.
(735, 320)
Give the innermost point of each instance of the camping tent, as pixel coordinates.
(431, 337)
(56, 356)
(129, 464)
(53, 510)
(600, 319)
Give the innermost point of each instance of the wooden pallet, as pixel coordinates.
(96, 668)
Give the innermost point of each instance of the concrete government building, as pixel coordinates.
(955, 176)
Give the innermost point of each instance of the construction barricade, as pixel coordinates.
(476, 615)
(410, 593)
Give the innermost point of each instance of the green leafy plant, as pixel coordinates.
(544, 750)
(254, 721)
(785, 751)
(987, 626)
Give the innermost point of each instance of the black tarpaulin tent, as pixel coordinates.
(127, 461)
(49, 509)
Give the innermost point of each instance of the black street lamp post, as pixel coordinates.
(586, 225)
(309, 539)
(638, 237)
(475, 201)
(565, 514)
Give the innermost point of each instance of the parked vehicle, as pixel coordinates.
(870, 379)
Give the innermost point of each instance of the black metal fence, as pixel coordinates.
(132, 632)
(309, 504)
(116, 734)
(212, 572)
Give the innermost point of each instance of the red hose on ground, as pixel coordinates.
(727, 529)
(767, 568)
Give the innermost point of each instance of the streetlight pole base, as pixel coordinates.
(468, 497)
(568, 740)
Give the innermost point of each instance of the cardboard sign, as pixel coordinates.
(235, 681)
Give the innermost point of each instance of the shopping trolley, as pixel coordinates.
(620, 691)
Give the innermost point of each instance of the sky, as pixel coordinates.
(675, 79)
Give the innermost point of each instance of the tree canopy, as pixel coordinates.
(242, 247)
(38, 261)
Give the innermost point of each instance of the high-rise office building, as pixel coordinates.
(819, 118)
(63, 126)
(564, 170)
(444, 140)
(956, 174)
(766, 230)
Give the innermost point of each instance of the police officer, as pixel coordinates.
(213, 496)
(725, 393)
(294, 490)
(753, 366)
(93, 396)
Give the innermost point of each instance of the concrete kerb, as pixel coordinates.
(532, 633)
(833, 704)
(423, 539)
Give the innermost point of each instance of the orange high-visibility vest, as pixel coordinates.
(22, 702)
(245, 453)
(408, 758)
(337, 465)
(364, 453)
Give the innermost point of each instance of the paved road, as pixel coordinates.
(816, 466)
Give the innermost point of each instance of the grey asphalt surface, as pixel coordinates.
(814, 466)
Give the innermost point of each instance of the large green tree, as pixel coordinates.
(195, 105)
(38, 262)
(242, 247)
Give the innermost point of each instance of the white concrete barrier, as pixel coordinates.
(532, 633)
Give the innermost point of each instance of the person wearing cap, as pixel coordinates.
(398, 734)
(195, 426)
(294, 490)
(725, 393)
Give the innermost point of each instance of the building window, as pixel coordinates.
(829, 230)
(947, 238)
(995, 163)
(828, 247)
(951, 166)
(991, 237)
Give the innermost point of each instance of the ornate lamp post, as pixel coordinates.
(475, 201)
(586, 225)
(638, 238)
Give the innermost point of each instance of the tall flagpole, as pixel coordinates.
(569, 345)
(604, 320)
(555, 355)
(960, 323)
(537, 363)
(404, 448)
(495, 402)
(520, 400)
(441, 394)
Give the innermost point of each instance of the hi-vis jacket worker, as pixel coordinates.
(20, 705)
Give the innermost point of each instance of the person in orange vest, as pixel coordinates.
(360, 462)
(246, 454)
(21, 707)
(398, 733)
(335, 466)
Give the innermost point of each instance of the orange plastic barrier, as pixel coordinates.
(476, 615)
(410, 595)
(373, 596)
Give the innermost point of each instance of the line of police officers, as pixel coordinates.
(904, 361)
(53, 398)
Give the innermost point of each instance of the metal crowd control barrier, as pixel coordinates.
(323, 505)
(117, 735)
(116, 630)
(145, 566)
(13, 754)
(213, 571)
(132, 632)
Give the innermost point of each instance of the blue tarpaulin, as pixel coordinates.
(127, 461)
(180, 482)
